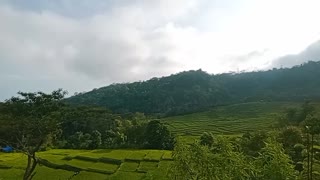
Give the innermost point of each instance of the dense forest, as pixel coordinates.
(80, 127)
(33, 122)
(193, 91)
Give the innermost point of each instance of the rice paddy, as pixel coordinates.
(96, 164)
(120, 164)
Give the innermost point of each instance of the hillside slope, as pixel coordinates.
(193, 91)
(231, 119)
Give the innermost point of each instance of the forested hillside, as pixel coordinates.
(193, 91)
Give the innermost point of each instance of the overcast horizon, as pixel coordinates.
(79, 45)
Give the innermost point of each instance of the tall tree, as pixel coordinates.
(31, 119)
(224, 161)
(312, 127)
(157, 136)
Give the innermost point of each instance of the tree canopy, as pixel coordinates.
(193, 91)
(28, 122)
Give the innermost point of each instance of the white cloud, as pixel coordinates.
(116, 46)
(44, 48)
(311, 53)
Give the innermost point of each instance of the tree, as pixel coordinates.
(312, 127)
(96, 140)
(290, 136)
(274, 163)
(30, 120)
(192, 91)
(135, 133)
(296, 116)
(157, 136)
(252, 143)
(206, 139)
(222, 161)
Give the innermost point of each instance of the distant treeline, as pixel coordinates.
(31, 122)
(42, 119)
(193, 91)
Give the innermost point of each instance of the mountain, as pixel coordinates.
(192, 91)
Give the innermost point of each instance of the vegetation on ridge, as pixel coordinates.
(193, 91)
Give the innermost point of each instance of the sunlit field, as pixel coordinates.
(97, 164)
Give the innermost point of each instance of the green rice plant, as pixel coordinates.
(11, 174)
(110, 160)
(167, 155)
(85, 158)
(227, 120)
(129, 166)
(112, 154)
(122, 175)
(160, 173)
(136, 156)
(93, 165)
(153, 155)
(43, 172)
(147, 166)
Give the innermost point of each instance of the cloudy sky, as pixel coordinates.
(79, 45)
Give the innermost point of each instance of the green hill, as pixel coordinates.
(194, 91)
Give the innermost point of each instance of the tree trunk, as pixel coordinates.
(32, 163)
(311, 157)
(308, 156)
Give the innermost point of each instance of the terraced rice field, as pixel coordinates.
(97, 164)
(147, 164)
(229, 120)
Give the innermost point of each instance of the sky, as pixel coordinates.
(79, 45)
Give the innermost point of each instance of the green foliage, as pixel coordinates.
(84, 141)
(206, 139)
(199, 162)
(296, 116)
(224, 161)
(92, 127)
(274, 163)
(157, 136)
(312, 124)
(290, 136)
(96, 140)
(30, 121)
(252, 143)
(193, 91)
